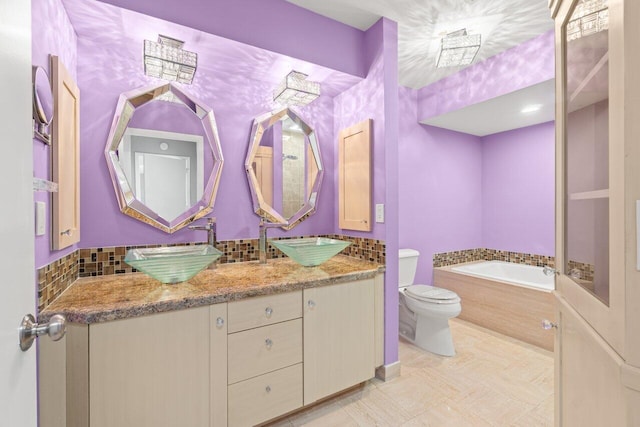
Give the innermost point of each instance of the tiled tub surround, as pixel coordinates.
(100, 299)
(56, 277)
(484, 254)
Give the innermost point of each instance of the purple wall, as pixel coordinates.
(518, 190)
(522, 66)
(52, 35)
(274, 25)
(237, 81)
(440, 188)
(376, 98)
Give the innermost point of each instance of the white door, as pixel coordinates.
(17, 283)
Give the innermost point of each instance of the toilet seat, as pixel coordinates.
(432, 294)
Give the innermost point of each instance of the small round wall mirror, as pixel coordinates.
(284, 168)
(164, 156)
(42, 103)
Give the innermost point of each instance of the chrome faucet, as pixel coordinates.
(262, 245)
(210, 228)
(548, 271)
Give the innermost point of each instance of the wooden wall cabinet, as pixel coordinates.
(65, 143)
(354, 177)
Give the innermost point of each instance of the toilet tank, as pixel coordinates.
(407, 265)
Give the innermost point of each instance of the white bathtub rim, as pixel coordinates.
(523, 284)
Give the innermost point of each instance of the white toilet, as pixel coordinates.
(425, 310)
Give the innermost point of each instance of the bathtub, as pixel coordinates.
(509, 272)
(508, 298)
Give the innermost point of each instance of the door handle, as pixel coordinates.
(29, 329)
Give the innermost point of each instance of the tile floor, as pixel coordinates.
(494, 380)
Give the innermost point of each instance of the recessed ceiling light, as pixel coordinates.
(532, 108)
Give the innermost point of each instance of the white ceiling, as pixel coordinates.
(422, 23)
(501, 113)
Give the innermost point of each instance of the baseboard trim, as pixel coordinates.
(388, 372)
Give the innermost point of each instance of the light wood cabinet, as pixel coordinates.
(150, 371)
(339, 338)
(597, 212)
(354, 177)
(231, 364)
(65, 141)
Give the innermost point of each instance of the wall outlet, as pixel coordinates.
(380, 212)
(41, 218)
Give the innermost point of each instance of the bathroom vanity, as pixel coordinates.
(235, 346)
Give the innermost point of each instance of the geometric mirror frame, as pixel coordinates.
(312, 169)
(209, 179)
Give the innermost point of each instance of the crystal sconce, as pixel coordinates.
(458, 48)
(165, 59)
(592, 16)
(295, 89)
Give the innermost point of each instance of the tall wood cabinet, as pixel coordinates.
(597, 212)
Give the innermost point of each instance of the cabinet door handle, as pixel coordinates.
(268, 389)
(219, 322)
(268, 343)
(311, 304)
(268, 312)
(547, 325)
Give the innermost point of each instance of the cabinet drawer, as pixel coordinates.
(267, 396)
(262, 311)
(261, 350)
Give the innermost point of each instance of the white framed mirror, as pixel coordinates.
(284, 168)
(164, 156)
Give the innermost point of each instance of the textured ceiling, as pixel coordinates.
(422, 23)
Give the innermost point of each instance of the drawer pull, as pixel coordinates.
(268, 343)
(311, 304)
(268, 312)
(219, 322)
(268, 389)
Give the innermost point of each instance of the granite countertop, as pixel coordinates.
(101, 299)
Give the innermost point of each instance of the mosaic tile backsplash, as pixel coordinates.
(484, 254)
(54, 278)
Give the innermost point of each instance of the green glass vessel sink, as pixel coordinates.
(310, 251)
(173, 264)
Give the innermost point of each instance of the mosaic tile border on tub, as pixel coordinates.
(484, 254)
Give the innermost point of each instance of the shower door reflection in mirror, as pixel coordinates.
(284, 168)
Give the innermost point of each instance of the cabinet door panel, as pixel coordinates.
(150, 371)
(266, 396)
(266, 310)
(338, 337)
(261, 350)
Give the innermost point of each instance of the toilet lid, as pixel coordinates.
(432, 294)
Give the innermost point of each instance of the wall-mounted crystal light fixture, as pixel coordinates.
(458, 48)
(295, 89)
(165, 59)
(590, 17)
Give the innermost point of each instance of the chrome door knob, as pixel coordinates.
(268, 343)
(268, 389)
(29, 329)
(268, 312)
(311, 304)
